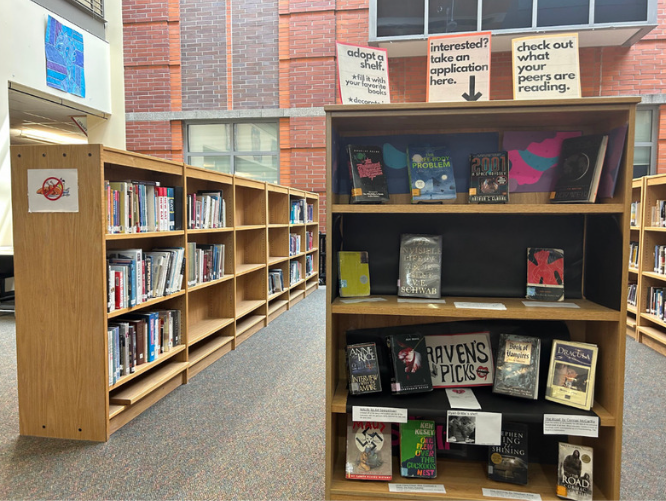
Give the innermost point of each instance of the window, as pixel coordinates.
(249, 149)
(645, 150)
(96, 7)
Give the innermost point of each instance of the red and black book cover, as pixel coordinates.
(411, 369)
(545, 274)
(369, 184)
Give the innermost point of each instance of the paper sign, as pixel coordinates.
(579, 426)
(459, 67)
(379, 414)
(362, 74)
(497, 493)
(53, 190)
(550, 304)
(439, 488)
(546, 67)
(478, 428)
(460, 360)
(462, 398)
(479, 306)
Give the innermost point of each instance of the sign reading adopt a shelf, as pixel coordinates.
(546, 67)
(362, 74)
(459, 67)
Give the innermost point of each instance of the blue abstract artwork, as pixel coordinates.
(64, 58)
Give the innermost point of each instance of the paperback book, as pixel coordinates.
(579, 169)
(545, 274)
(409, 363)
(508, 462)
(571, 374)
(517, 367)
(418, 457)
(430, 174)
(363, 369)
(369, 184)
(574, 472)
(420, 266)
(368, 451)
(489, 178)
(354, 271)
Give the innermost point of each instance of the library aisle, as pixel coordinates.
(251, 426)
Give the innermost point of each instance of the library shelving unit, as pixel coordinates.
(311, 243)
(595, 237)
(635, 235)
(650, 329)
(61, 287)
(297, 256)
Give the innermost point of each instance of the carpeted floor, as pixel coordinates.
(251, 426)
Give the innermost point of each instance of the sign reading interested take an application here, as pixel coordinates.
(362, 74)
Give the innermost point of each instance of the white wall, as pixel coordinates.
(23, 62)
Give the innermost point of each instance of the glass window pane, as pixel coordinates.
(220, 164)
(400, 17)
(618, 11)
(256, 137)
(562, 12)
(644, 126)
(503, 15)
(451, 16)
(258, 167)
(209, 138)
(642, 155)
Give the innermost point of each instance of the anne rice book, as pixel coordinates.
(430, 174)
(363, 369)
(418, 454)
(368, 451)
(574, 472)
(571, 374)
(517, 368)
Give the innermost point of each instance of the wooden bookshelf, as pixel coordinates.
(61, 320)
(599, 231)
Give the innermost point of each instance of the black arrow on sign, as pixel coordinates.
(471, 96)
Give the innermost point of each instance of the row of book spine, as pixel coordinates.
(141, 206)
(139, 338)
(294, 244)
(658, 214)
(295, 272)
(206, 262)
(633, 254)
(206, 210)
(660, 259)
(135, 276)
(275, 281)
(309, 265)
(301, 212)
(635, 219)
(655, 302)
(631, 294)
(309, 240)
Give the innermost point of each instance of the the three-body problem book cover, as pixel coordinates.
(369, 184)
(430, 173)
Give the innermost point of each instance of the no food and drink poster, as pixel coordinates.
(362, 74)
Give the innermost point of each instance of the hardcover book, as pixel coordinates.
(571, 374)
(517, 367)
(579, 169)
(420, 267)
(509, 462)
(430, 174)
(369, 183)
(368, 451)
(545, 274)
(363, 369)
(489, 178)
(574, 472)
(418, 457)
(354, 272)
(409, 361)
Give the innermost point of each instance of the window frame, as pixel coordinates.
(654, 139)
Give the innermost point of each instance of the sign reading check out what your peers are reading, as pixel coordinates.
(459, 67)
(546, 67)
(362, 74)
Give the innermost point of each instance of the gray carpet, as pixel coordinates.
(251, 426)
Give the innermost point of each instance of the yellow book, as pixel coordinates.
(354, 273)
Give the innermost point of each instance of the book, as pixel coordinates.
(508, 462)
(420, 266)
(489, 177)
(354, 272)
(517, 367)
(574, 472)
(363, 368)
(460, 360)
(368, 451)
(611, 167)
(409, 364)
(369, 184)
(571, 374)
(579, 168)
(418, 458)
(430, 173)
(545, 274)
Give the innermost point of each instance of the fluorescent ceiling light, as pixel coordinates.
(50, 137)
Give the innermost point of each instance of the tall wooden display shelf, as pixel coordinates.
(61, 288)
(597, 234)
(635, 235)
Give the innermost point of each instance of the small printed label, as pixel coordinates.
(417, 488)
(498, 493)
(343, 284)
(379, 414)
(480, 306)
(578, 426)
